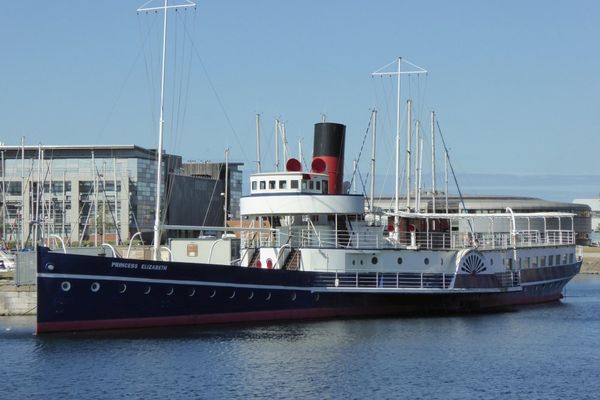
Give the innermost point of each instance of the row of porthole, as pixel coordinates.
(374, 261)
(95, 287)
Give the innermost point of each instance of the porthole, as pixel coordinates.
(268, 296)
(399, 260)
(374, 260)
(191, 292)
(251, 296)
(170, 291)
(426, 261)
(147, 290)
(232, 295)
(293, 297)
(213, 294)
(122, 288)
(65, 286)
(95, 287)
(50, 267)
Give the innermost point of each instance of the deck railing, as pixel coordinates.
(399, 280)
(423, 240)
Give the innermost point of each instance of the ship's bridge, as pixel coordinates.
(289, 182)
(289, 193)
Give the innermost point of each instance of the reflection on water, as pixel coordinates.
(547, 351)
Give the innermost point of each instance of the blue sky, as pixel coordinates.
(515, 84)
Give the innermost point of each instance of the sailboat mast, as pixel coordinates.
(397, 191)
(258, 143)
(276, 145)
(374, 116)
(433, 160)
(408, 152)
(161, 124)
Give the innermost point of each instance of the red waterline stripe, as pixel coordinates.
(62, 326)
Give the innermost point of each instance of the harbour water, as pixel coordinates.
(536, 352)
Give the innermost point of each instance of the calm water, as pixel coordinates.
(541, 352)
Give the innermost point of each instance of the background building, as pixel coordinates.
(101, 193)
(594, 205)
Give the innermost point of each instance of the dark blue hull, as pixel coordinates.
(81, 293)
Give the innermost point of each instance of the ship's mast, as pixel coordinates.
(161, 119)
(397, 74)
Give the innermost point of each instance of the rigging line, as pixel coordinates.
(180, 118)
(362, 146)
(212, 195)
(364, 187)
(214, 90)
(107, 203)
(462, 200)
(174, 76)
(122, 87)
(149, 70)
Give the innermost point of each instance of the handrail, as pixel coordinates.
(169, 251)
(61, 241)
(131, 242)
(112, 248)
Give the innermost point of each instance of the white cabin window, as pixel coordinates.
(325, 187)
(263, 185)
(271, 184)
(294, 184)
(318, 185)
(557, 259)
(550, 260)
(253, 185)
(542, 261)
(534, 262)
(311, 185)
(282, 184)
(303, 185)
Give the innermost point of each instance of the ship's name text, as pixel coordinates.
(116, 264)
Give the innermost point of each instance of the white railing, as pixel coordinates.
(424, 240)
(394, 280)
(255, 239)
